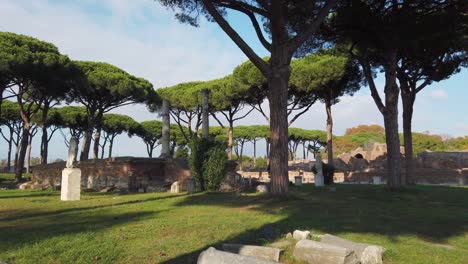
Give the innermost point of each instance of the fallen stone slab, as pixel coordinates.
(299, 235)
(367, 254)
(281, 244)
(311, 251)
(267, 253)
(213, 256)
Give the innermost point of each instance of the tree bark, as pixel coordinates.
(103, 148)
(230, 139)
(97, 137)
(85, 146)
(391, 124)
(111, 145)
(255, 153)
(28, 153)
(10, 146)
(408, 99)
(45, 137)
(278, 99)
(87, 136)
(329, 132)
(205, 113)
(166, 126)
(22, 152)
(44, 145)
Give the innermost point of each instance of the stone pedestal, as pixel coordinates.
(298, 180)
(71, 184)
(175, 187)
(318, 179)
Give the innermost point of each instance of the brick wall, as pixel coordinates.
(125, 173)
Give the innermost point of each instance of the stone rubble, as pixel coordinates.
(367, 254)
(266, 253)
(311, 251)
(299, 235)
(213, 256)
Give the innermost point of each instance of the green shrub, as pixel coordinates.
(214, 169)
(207, 161)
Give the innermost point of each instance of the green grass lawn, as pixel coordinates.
(417, 225)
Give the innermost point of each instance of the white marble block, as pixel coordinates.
(71, 184)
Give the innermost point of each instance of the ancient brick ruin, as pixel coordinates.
(124, 173)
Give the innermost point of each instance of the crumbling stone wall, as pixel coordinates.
(125, 173)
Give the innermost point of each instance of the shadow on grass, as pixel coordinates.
(30, 194)
(431, 213)
(24, 215)
(21, 233)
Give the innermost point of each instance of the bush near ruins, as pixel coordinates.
(207, 161)
(214, 167)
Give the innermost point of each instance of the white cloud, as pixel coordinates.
(139, 36)
(439, 94)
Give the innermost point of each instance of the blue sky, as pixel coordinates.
(143, 38)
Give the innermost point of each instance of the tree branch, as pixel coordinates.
(375, 94)
(300, 113)
(217, 120)
(256, 60)
(238, 118)
(300, 38)
(254, 21)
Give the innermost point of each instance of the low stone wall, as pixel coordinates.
(422, 176)
(442, 160)
(125, 173)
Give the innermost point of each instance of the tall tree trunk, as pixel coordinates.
(97, 137)
(76, 150)
(408, 99)
(111, 144)
(278, 99)
(303, 151)
(230, 139)
(87, 136)
(22, 152)
(241, 155)
(103, 148)
(45, 137)
(166, 131)
(329, 132)
(149, 148)
(44, 145)
(205, 113)
(255, 152)
(10, 146)
(28, 153)
(17, 151)
(391, 124)
(85, 145)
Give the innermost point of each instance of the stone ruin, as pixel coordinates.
(130, 174)
(122, 173)
(446, 168)
(326, 249)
